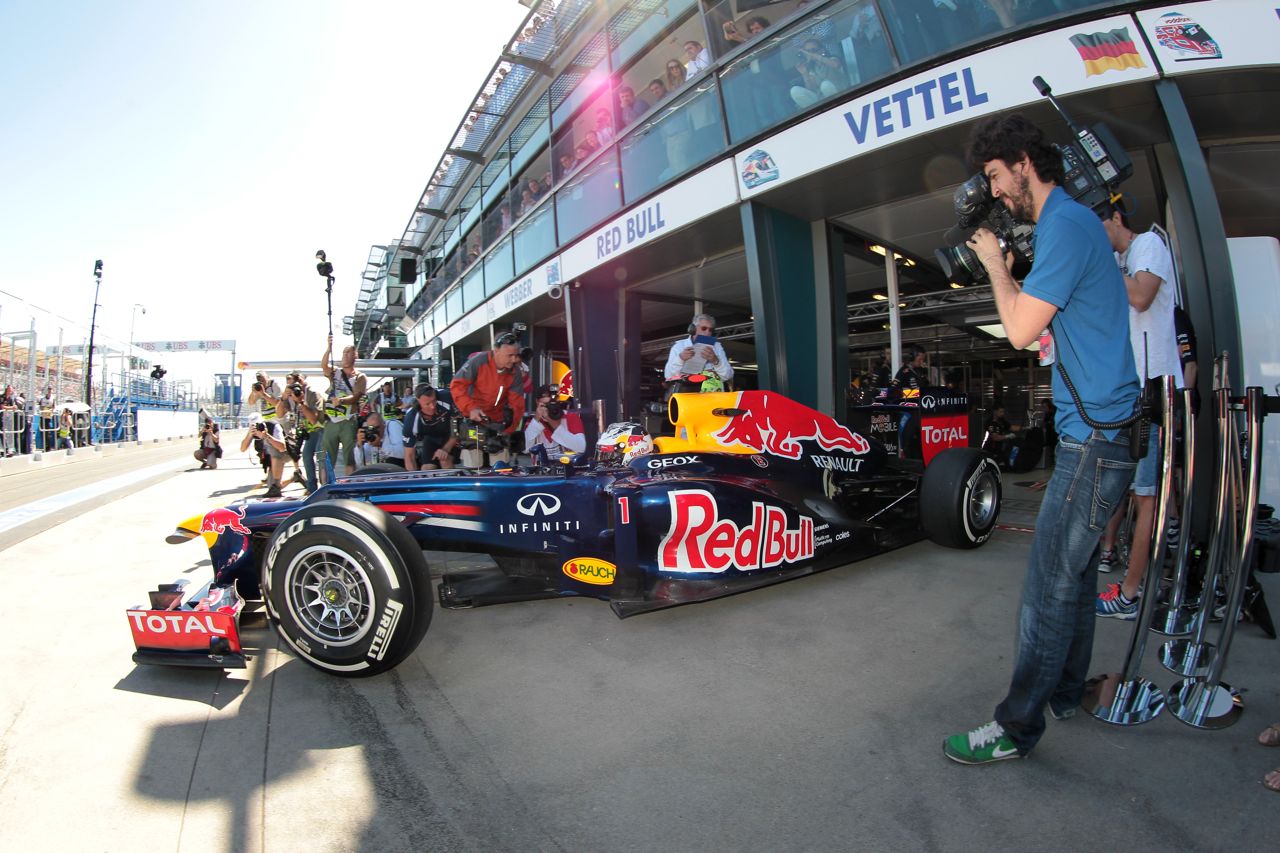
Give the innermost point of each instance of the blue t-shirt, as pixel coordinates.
(1075, 269)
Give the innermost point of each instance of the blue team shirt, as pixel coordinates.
(1075, 269)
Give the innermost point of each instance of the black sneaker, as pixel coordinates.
(273, 491)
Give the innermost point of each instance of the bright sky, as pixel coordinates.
(205, 151)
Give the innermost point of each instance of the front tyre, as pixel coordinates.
(960, 497)
(347, 587)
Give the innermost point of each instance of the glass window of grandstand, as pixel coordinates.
(498, 214)
(663, 65)
(672, 140)
(592, 129)
(837, 48)
(534, 238)
(473, 288)
(531, 185)
(924, 29)
(498, 271)
(733, 23)
(589, 197)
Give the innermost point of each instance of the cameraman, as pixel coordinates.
(368, 449)
(552, 431)
(345, 396)
(272, 437)
(428, 434)
(487, 387)
(210, 445)
(265, 393)
(310, 420)
(1074, 287)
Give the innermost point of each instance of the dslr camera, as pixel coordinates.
(555, 409)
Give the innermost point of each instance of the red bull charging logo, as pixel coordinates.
(222, 519)
(771, 423)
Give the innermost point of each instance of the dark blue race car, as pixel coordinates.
(753, 489)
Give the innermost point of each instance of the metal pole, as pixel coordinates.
(1210, 703)
(93, 323)
(1137, 700)
(1193, 656)
(1173, 618)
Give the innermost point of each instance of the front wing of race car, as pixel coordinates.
(200, 630)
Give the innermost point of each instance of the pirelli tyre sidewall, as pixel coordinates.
(960, 497)
(347, 587)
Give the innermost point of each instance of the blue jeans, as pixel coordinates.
(1056, 618)
(309, 448)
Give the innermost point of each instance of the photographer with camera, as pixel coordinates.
(552, 432)
(428, 433)
(309, 421)
(487, 387)
(1147, 268)
(368, 449)
(1075, 288)
(270, 434)
(345, 395)
(265, 394)
(210, 445)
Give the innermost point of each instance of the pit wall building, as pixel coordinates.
(789, 167)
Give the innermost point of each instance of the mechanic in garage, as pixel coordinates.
(1076, 288)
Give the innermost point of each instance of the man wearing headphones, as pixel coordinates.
(700, 351)
(489, 383)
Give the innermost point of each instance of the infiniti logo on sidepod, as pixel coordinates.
(538, 503)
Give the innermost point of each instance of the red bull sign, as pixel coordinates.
(223, 519)
(699, 540)
(771, 423)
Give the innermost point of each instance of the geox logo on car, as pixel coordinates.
(590, 570)
(538, 503)
(700, 541)
(386, 627)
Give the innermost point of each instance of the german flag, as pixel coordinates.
(1107, 51)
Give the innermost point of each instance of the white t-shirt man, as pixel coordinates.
(1154, 327)
(566, 438)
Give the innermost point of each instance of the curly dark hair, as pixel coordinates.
(1007, 138)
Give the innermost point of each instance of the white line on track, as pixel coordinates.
(54, 503)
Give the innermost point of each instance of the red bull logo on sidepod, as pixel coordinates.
(223, 518)
(699, 540)
(771, 423)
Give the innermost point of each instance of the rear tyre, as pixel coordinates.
(960, 497)
(347, 587)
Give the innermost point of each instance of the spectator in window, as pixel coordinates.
(567, 162)
(675, 75)
(535, 189)
(527, 201)
(581, 153)
(755, 26)
(592, 141)
(657, 90)
(870, 47)
(699, 59)
(604, 126)
(630, 107)
(821, 75)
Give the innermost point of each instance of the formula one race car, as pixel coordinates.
(753, 489)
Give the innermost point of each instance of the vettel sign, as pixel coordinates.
(699, 540)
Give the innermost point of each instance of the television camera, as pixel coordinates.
(1094, 164)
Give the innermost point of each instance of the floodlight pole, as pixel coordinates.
(88, 368)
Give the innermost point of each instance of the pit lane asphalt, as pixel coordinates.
(806, 716)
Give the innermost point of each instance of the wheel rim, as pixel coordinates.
(330, 595)
(981, 509)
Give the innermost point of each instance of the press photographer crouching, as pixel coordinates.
(553, 433)
(210, 445)
(428, 433)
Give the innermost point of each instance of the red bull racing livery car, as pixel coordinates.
(751, 490)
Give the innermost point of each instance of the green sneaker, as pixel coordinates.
(981, 746)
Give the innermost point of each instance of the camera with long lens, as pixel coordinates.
(555, 409)
(489, 437)
(1093, 164)
(975, 207)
